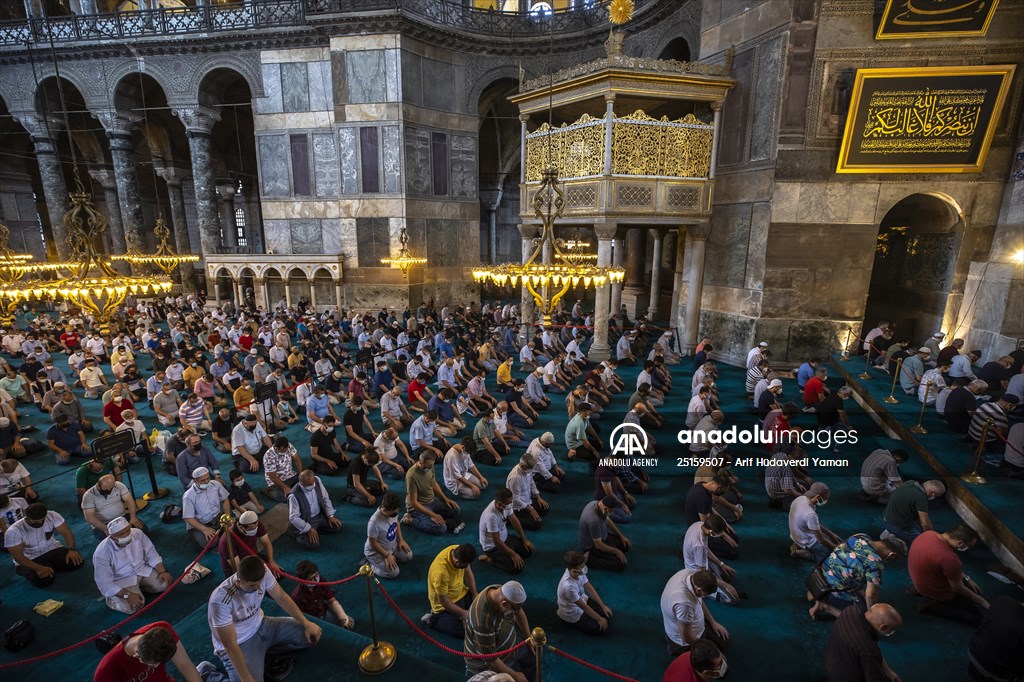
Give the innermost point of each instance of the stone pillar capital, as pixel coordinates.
(606, 230)
(118, 124)
(105, 178)
(524, 117)
(609, 98)
(39, 127)
(171, 175)
(529, 231)
(699, 231)
(491, 198)
(227, 191)
(717, 105)
(197, 118)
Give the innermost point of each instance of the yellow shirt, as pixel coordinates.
(444, 578)
(243, 395)
(193, 374)
(504, 373)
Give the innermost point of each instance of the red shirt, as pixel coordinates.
(245, 342)
(118, 666)
(932, 565)
(112, 410)
(70, 340)
(680, 670)
(813, 390)
(415, 388)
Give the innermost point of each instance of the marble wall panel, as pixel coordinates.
(331, 235)
(412, 85)
(374, 241)
(320, 90)
(307, 236)
(295, 86)
(763, 135)
(326, 169)
(392, 76)
(278, 236)
(726, 255)
(339, 79)
(444, 242)
(271, 103)
(391, 147)
(439, 81)
(417, 161)
(349, 160)
(273, 151)
(463, 166)
(366, 76)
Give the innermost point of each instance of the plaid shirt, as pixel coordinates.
(777, 479)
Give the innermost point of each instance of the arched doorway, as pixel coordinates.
(678, 49)
(917, 259)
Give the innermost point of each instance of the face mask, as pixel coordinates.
(195, 448)
(585, 570)
(715, 674)
(962, 548)
(123, 542)
(118, 399)
(239, 483)
(252, 532)
(202, 486)
(822, 503)
(889, 634)
(105, 493)
(308, 488)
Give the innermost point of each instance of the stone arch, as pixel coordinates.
(486, 80)
(123, 77)
(919, 266)
(677, 49)
(95, 99)
(206, 75)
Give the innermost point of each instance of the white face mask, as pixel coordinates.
(715, 674)
(202, 486)
(251, 532)
(123, 542)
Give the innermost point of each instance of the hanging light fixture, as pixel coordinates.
(404, 260)
(13, 268)
(92, 284)
(165, 257)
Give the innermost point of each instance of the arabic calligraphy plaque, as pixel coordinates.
(926, 120)
(935, 18)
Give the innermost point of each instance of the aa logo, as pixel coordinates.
(629, 440)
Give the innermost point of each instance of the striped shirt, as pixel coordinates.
(984, 412)
(852, 652)
(488, 630)
(879, 474)
(754, 375)
(192, 413)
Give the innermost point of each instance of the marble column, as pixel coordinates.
(115, 229)
(697, 238)
(600, 350)
(179, 225)
(88, 7)
(229, 231)
(652, 309)
(199, 122)
(491, 199)
(260, 284)
(618, 257)
(288, 290)
(527, 307)
(635, 295)
(677, 280)
(216, 290)
(55, 188)
(122, 153)
(337, 294)
(312, 293)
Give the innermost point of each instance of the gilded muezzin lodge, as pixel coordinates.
(757, 168)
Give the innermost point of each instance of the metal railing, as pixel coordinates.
(259, 14)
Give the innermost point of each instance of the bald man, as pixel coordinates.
(852, 654)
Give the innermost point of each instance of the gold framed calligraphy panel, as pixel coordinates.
(925, 120)
(935, 18)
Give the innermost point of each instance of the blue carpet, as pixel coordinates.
(770, 631)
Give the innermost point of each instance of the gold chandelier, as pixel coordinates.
(549, 282)
(165, 257)
(92, 283)
(404, 260)
(13, 268)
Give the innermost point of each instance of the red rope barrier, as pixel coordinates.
(289, 575)
(591, 666)
(444, 647)
(112, 628)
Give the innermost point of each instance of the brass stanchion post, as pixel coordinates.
(920, 418)
(973, 476)
(378, 657)
(867, 363)
(538, 640)
(895, 377)
(845, 355)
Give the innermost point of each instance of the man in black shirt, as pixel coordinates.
(221, 427)
(326, 451)
(361, 490)
(355, 420)
(852, 654)
(997, 374)
(996, 649)
(960, 407)
(700, 504)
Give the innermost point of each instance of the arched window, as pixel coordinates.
(240, 227)
(540, 9)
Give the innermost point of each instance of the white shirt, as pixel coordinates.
(549, 372)
(203, 505)
(680, 605)
(544, 456)
(493, 521)
(456, 465)
(695, 547)
(390, 404)
(36, 541)
(117, 568)
(570, 591)
(695, 411)
(387, 448)
(230, 604)
(803, 521)
(522, 486)
(12, 481)
(938, 383)
(313, 499)
(644, 377)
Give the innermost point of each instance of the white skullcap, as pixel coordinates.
(117, 525)
(775, 383)
(199, 472)
(514, 592)
(248, 517)
(763, 344)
